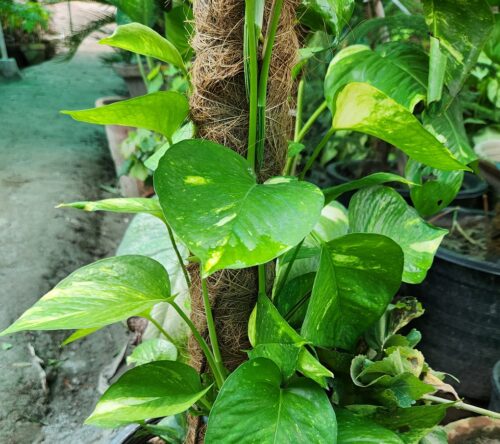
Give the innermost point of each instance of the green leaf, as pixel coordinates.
(437, 71)
(252, 406)
(162, 111)
(172, 429)
(492, 46)
(151, 390)
(151, 350)
(179, 28)
(334, 192)
(438, 188)
(143, 11)
(211, 199)
(437, 436)
(98, 294)
(333, 222)
(382, 210)
(462, 27)
(329, 15)
(79, 334)
(358, 276)
(353, 429)
(145, 41)
(399, 70)
(361, 107)
(402, 390)
(120, 205)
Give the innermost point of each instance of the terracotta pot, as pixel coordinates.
(131, 75)
(129, 186)
(475, 430)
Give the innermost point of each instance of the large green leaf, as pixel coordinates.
(358, 276)
(353, 429)
(368, 181)
(362, 107)
(98, 294)
(399, 70)
(438, 188)
(120, 205)
(142, 11)
(156, 349)
(151, 390)
(145, 41)
(333, 221)
(382, 210)
(162, 111)
(252, 406)
(211, 199)
(462, 27)
(329, 15)
(179, 28)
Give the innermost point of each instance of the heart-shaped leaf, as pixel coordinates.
(151, 390)
(253, 407)
(211, 199)
(162, 111)
(98, 294)
(397, 69)
(151, 350)
(358, 276)
(382, 210)
(362, 107)
(143, 40)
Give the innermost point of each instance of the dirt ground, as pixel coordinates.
(46, 158)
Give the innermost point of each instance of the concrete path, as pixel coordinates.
(46, 158)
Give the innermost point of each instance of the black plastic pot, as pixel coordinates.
(495, 389)
(469, 196)
(461, 324)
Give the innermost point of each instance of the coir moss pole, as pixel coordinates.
(219, 109)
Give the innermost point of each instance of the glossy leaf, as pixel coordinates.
(152, 350)
(162, 111)
(120, 205)
(361, 107)
(98, 294)
(399, 70)
(437, 71)
(151, 390)
(252, 406)
(79, 334)
(382, 210)
(142, 11)
(211, 199)
(353, 429)
(276, 340)
(179, 28)
(329, 15)
(333, 222)
(439, 188)
(402, 390)
(462, 27)
(145, 41)
(334, 192)
(358, 276)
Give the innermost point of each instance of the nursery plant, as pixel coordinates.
(318, 353)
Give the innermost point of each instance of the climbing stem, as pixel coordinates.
(462, 406)
(219, 378)
(316, 152)
(253, 76)
(264, 75)
(310, 122)
(291, 161)
(179, 256)
(211, 328)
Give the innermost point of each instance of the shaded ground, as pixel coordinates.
(46, 158)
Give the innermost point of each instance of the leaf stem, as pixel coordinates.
(253, 80)
(291, 161)
(264, 75)
(141, 69)
(161, 329)
(307, 126)
(462, 406)
(316, 152)
(178, 254)
(262, 279)
(219, 379)
(211, 328)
